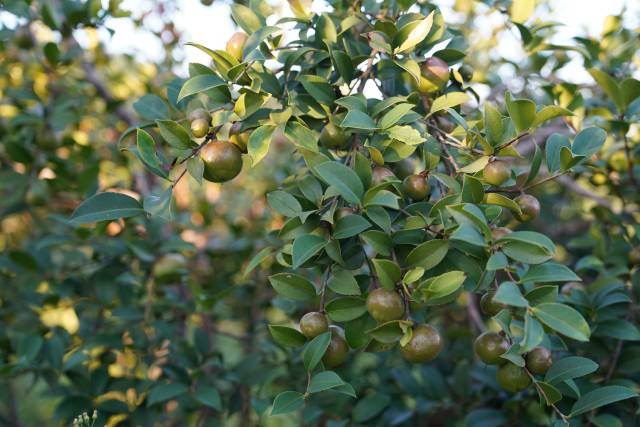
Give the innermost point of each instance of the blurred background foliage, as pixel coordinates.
(96, 318)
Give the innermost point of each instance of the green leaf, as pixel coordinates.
(287, 336)
(318, 88)
(147, 151)
(175, 135)
(428, 254)
(442, 285)
(554, 145)
(343, 179)
(619, 328)
(549, 393)
(406, 134)
(379, 241)
(165, 392)
(199, 84)
(358, 120)
(305, 247)
(600, 397)
(195, 167)
(448, 100)
(392, 116)
(293, 286)
(246, 18)
(414, 32)
(550, 272)
(569, 368)
(159, 206)
(349, 226)
(287, 401)
(547, 113)
(522, 113)
(301, 136)
(500, 200)
(370, 406)
(209, 396)
(284, 203)
(151, 107)
(314, 351)
(342, 282)
(324, 380)
(344, 309)
(521, 10)
(509, 293)
(390, 332)
(259, 142)
(104, 207)
(387, 271)
(563, 319)
(492, 124)
(588, 141)
(256, 260)
(533, 334)
(610, 87)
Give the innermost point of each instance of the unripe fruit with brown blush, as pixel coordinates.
(435, 75)
(466, 72)
(489, 347)
(222, 161)
(379, 174)
(199, 113)
(384, 305)
(404, 168)
(313, 324)
(488, 306)
(337, 351)
(496, 172)
(530, 207)
(512, 378)
(416, 187)
(424, 346)
(236, 43)
(539, 360)
(499, 232)
(199, 128)
(333, 137)
(634, 256)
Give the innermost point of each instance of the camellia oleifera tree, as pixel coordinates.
(399, 215)
(406, 279)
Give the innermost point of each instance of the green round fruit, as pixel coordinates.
(499, 232)
(236, 43)
(416, 187)
(435, 75)
(332, 136)
(466, 72)
(489, 347)
(539, 361)
(512, 378)
(530, 207)
(337, 351)
(488, 306)
(199, 113)
(379, 174)
(199, 128)
(634, 256)
(313, 324)
(404, 168)
(384, 305)
(424, 346)
(222, 161)
(496, 172)
(23, 38)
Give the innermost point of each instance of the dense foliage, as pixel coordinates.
(325, 225)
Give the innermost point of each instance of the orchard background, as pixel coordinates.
(446, 193)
